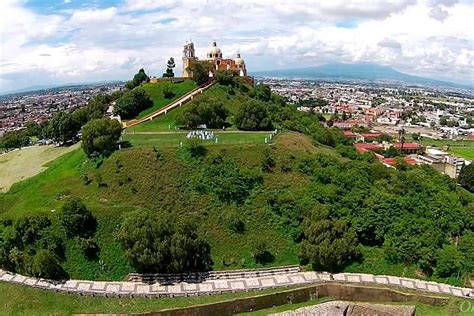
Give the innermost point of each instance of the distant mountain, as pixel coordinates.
(370, 72)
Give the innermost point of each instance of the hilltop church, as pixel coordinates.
(214, 57)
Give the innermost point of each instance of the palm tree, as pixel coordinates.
(401, 138)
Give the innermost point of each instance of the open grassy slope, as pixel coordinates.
(168, 122)
(21, 164)
(173, 139)
(155, 90)
(467, 153)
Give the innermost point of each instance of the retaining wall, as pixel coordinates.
(219, 286)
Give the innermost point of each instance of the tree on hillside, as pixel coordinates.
(157, 243)
(466, 247)
(230, 183)
(76, 219)
(63, 127)
(263, 92)
(169, 68)
(328, 244)
(33, 129)
(131, 103)
(448, 261)
(204, 110)
(168, 93)
(466, 177)
(15, 139)
(225, 78)
(392, 152)
(384, 138)
(45, 265)
(253, 116)
(31, 246)
(139, 78)
(100, 136)
(200, 72)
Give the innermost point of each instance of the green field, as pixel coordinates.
(174, 139)
(467, 153)
(155, 90)
(443, 142)
(21, 164)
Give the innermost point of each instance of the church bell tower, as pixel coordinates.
(189, 56)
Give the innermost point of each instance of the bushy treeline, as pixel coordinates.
(157, 242)
(35, 245)
(417, 215)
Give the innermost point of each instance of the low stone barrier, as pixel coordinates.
(230, 285)
(346, 292)
(210, 275)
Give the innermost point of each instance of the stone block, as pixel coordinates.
(353, 278)
(381, 280)
(237, 285)
(252, 283)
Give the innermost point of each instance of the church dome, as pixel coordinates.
(239, 60)
(214, 51)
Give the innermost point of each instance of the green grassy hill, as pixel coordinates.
(291, 179)
(155, 90)
(134, 179)
(167, 122)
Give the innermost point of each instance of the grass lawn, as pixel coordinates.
(21, 300)
(173, 139)
(155, 90)
(467, 153)
(21, 164)
(443, 142)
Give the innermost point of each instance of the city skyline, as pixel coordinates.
(71, 41)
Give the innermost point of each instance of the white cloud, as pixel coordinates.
(111, 43)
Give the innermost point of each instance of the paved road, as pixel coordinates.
(231, 284)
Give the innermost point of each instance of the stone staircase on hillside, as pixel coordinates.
(211, 275)
(176, 103)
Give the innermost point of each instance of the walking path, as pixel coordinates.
(178, 102)
(231, 283)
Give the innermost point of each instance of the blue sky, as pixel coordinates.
(68, 41)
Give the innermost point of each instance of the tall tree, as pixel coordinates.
(466, 177)
(139, 78)
(169, 68)
(100, 136)
(131, 103)
(328, 244)
(200, 72)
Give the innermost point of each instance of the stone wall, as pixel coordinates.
(334, 290)
(229, 285)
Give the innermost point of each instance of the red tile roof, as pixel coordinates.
(361, 147)
(371, 135)
(393, 161)
(407, 146)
